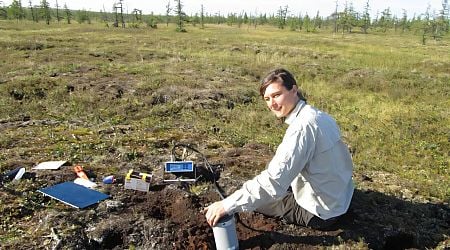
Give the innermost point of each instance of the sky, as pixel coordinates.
(295, 7)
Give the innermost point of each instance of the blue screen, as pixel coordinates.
(179, 166)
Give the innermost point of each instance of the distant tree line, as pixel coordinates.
(348, 20)
(42, 12)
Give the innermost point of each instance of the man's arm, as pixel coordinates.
(291, 156)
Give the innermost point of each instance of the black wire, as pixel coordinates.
(216, 185)
(207, 164)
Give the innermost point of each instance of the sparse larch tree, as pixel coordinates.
(292, 23)
(307, 23)
(352, 16)
(404, 21)
(21, 11)
(219, 19)
(3, 11)
(14, 10)
(385, 21)
(300, 21)
(335, 18)
(117, 6)
(58, 17)
(195, 20)
(45, 11)
(426, 25)
(181, 16)
(137, 15)
(33, 15)
(445, 13)
(168, 10)
(104, 16)
(281, 16)
(395, 22)
(231, 19)
(442, 21)
(317, 21)
(365, 22)
(68, 14)
(254, 20)
(151, 21)
(345, 19)
(83, 16)
(240, 19)
(263, 19)
(202, 18)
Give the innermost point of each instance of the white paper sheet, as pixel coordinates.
(49, 165)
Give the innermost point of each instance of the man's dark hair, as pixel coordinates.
(282, 76)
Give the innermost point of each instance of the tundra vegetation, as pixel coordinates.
(118, 98)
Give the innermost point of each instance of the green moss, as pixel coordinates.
(79, 86)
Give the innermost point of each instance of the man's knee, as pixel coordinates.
(320, 224)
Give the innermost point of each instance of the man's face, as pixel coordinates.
(280, 100)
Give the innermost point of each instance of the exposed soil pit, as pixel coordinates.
(169, 215)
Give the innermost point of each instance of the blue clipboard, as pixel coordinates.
(73, 194)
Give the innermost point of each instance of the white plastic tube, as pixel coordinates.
(19, 174)
(225, 234)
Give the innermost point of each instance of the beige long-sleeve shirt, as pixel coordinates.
(312, 159)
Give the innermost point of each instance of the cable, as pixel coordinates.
(216, 185)
(207, 164)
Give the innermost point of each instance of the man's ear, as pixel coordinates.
(294, 88)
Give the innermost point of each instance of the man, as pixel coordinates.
(312, 160)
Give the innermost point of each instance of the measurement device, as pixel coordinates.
(138, 181)
(182, 170)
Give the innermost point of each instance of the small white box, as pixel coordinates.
(138, 181)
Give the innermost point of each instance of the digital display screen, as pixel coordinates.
(179, 166)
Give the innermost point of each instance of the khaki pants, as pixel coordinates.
(288, 210)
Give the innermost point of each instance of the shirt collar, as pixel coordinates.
(294, 113)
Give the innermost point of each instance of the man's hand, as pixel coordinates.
(214, 212)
